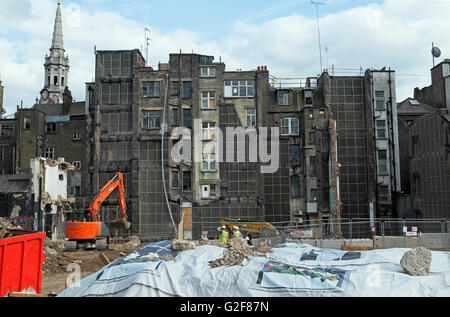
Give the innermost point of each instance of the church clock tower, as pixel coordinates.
(56, 66)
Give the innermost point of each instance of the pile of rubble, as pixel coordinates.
(236, 250)
(5, 227)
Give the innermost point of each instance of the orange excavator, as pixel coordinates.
(93, 233)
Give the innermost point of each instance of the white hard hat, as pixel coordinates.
(235, 228)
(224, 227)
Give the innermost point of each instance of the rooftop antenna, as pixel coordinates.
(147, 43)
(318, 30)
(435, 51)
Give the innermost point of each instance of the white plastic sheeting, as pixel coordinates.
(291, 270)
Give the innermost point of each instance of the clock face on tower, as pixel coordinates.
(44, 95)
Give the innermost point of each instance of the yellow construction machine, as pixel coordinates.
(260, 228)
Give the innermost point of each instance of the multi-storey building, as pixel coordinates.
(364, 108)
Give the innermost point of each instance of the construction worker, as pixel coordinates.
(223, 234)
(236, 233)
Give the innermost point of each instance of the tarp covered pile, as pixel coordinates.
(289, 270)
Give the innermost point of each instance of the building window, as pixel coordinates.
(308, 97)
(283, 99)
(208, 191)
(187, 89)
(151, 119)
(187, 122)
(74, 191)
(50, 153)
(209, 163)
(77, 164)
(289, 126)
(208, 130)
(239, 88)
(175, 179)
(384, 194)
(312, 137)
(311, 114)
(379, 100)
(294, 154)
(251, 118)
(151, 88)
(208, 100)
(26, 123)
(322, 114)
(295, 186)
(55, 80)
(187, 181)
(208, 71)
(76, 136)
(51, 127)
(312, 166)
(175, 88)
(175, 120)
(313, 194)
(382, 162)
(381, 129)
(6, 130)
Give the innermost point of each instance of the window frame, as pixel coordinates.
(210, 130)
(50, 153)
(238, 86)
(187, 89)
(26, 123)
(210, 97)
(152, 90)
(209, 191)
(148, 119)
(50, 131)
(297, 186)
(283, 98)
(210, 161)
(6, 130)
(252, 116)
(379, 129)
(297, 152)
(379, 99)
(77, 164)
(290, 126)
(209, 74)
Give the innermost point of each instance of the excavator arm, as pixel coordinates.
(116, 182)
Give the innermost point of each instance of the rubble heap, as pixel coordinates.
(237, 251)
(5, 227)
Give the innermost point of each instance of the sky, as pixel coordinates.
(244, 34)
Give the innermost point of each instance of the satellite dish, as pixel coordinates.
(436, 52)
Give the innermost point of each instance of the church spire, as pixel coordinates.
(57, 41)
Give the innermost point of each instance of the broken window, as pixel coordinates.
(50, 153)
(151, 88)
(51, 127)
(77, 164)
(151, 119)
(26, 123)
(208, 71)
(384, 194)
(187, 89)
(251, 118)
(239, 88)
(187, 181)
(208, 130)
(289, 126)
(308, 97)
(76, 136)
(381, 129)
(208, 100)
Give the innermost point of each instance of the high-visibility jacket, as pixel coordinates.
(237, 234)
(223, 236)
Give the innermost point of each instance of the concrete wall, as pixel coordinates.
(428, 240)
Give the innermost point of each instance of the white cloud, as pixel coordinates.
(396, 34)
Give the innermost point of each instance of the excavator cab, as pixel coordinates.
(86, 230)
